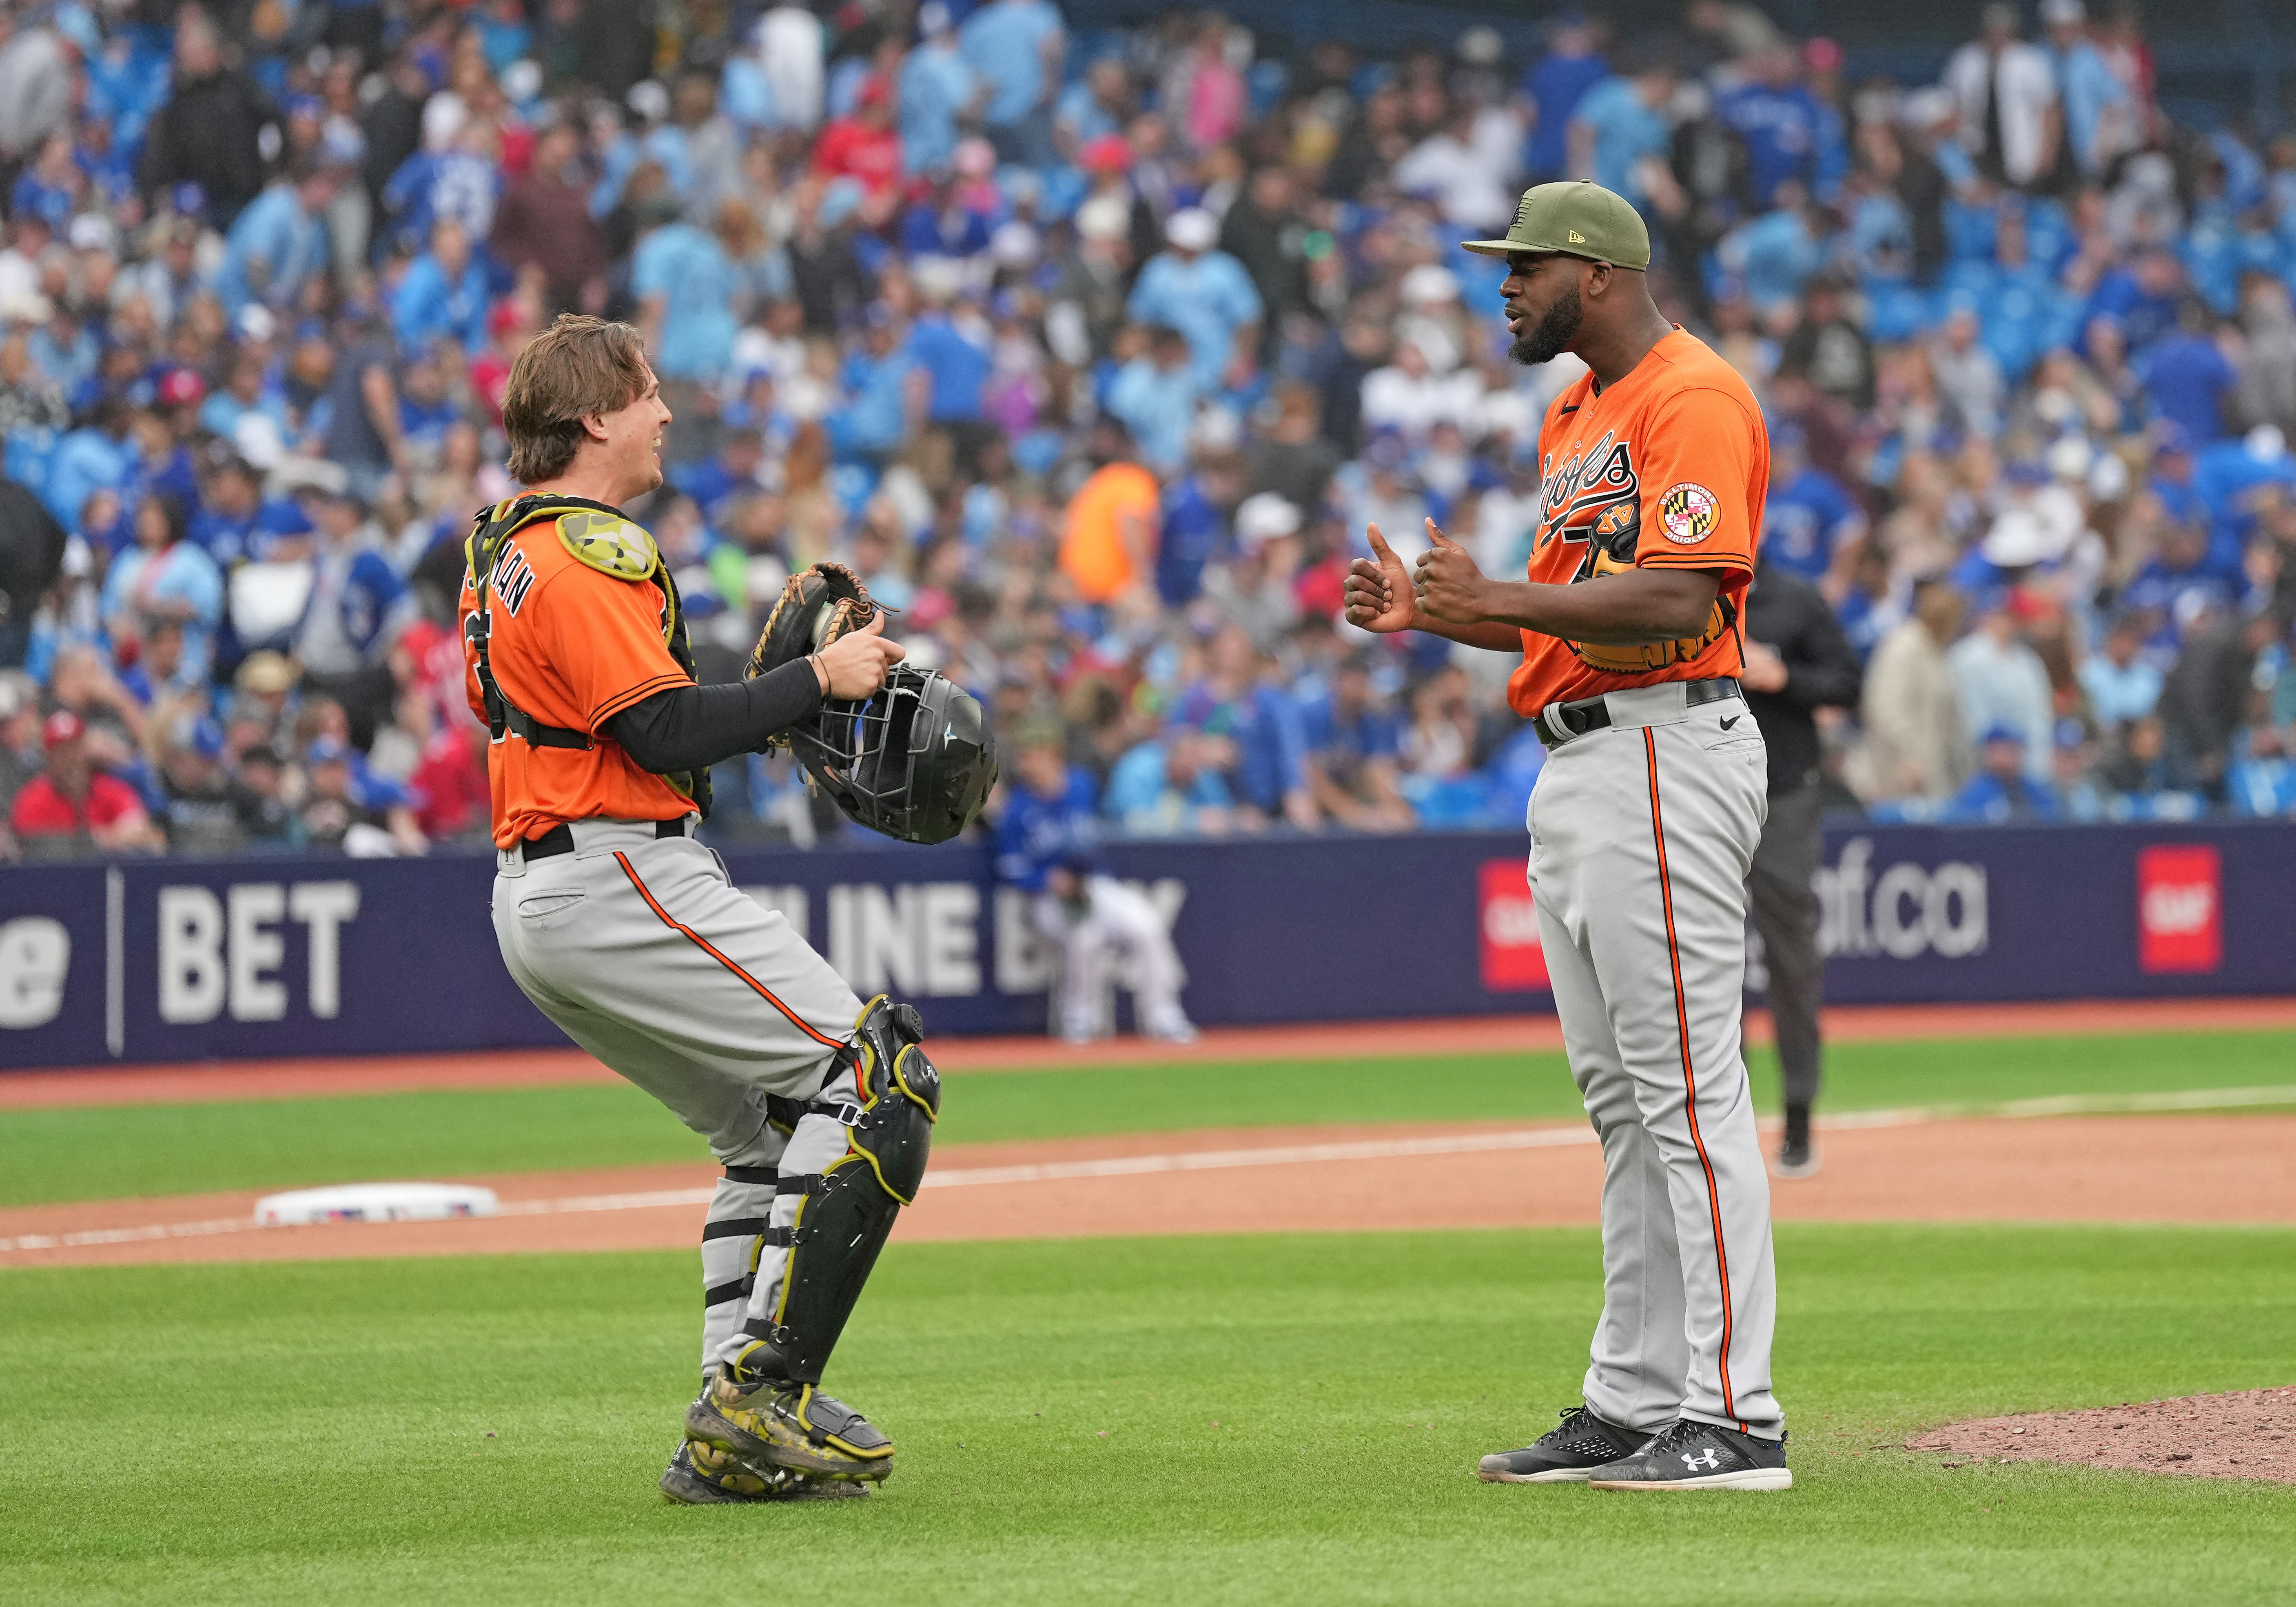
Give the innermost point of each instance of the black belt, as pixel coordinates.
(560, 838)
(1593, 714)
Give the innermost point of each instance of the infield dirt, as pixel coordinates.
(2182, 1168)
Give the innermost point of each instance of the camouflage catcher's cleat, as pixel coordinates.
(765, 1407)
(701, 1475)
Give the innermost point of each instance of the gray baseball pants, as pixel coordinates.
(1642, 834)
(645, 954)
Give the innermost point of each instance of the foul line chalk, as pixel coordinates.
(1209, 1160)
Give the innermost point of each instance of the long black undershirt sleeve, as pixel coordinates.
(693, 727)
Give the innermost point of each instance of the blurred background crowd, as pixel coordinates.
(1094, 350)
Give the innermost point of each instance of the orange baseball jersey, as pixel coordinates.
(572, 645)
(1669, 468)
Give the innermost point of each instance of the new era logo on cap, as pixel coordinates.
(1576, 238)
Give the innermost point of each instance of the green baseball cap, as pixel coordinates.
(1577, 219)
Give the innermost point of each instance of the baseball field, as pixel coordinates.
(1231, 1326)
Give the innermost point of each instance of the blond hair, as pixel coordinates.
(579, 368)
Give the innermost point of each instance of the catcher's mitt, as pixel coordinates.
(816, 607)
(1610, 551)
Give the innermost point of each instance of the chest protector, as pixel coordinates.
(595, 535)
(1610, 548)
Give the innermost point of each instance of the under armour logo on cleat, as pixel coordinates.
(1692, 1460)
(1733, 720)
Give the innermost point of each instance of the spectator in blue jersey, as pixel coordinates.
(1015, 47)
(1237, 699)
(278, 242)
(1155, 395)
(444, 294)
(938, 90)
(1810, 525)
(164, 577)
(1173, 784)
(2002, 792)
(1552, 89)
(1195, 526)
(685, 283)
(955, 360)
(1780, 123)
(1619, 123)
(358, 607)
(2172, 480)
(236, 524)
(2178, 583)
(1202, 293)
(1096, 105)
(98, 456)
(1352, 737)
(2100, 122)
(1048, 847)
(885, 389)
(2121, 683)
(2188, 376)
(2143, 296)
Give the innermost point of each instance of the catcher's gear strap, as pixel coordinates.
(598, 535)
(848, 1208)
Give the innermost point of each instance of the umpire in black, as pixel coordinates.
(1797, 661)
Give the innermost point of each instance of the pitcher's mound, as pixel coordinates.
(2250, 1434)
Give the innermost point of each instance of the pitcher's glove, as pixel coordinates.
(816, 607)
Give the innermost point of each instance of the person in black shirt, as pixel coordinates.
(1797, 661)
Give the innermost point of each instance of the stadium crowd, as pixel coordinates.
(1093, 353)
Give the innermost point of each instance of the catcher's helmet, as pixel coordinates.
(914, 762)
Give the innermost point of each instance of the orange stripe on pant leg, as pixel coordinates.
(1689, 1077)
(704, 944)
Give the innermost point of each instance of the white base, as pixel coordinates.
(374, 1202)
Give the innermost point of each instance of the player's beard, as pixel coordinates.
(1552, 335)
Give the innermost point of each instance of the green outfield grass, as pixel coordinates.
(105, 1152)
(1286, 1420)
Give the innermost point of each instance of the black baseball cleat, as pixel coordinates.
(1796, 1157)
(1565, 1454)
(701, 1475)
(1688, 1456)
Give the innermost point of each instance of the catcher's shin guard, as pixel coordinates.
(849, 1207)
(764, 1404)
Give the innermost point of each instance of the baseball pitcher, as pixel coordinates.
(625, 931)
(1643, 827)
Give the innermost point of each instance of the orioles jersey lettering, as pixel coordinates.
(1573, 497)
(1667, 468)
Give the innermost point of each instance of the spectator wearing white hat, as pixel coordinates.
(1206, 295)
(1253, 590)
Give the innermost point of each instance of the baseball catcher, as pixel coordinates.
(627, 932)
